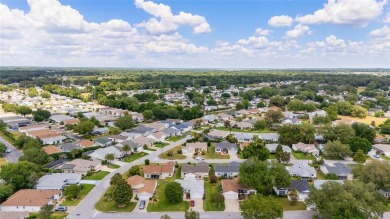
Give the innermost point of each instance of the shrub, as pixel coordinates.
(147, 162)
(169, 153)
(179, 151)
(213, 179)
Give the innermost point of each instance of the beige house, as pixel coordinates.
(81, 166)
(143, 189)
(199, 171)
(159, 171)
(190, 148)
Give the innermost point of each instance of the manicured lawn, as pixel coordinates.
(272, 156)
(367, 120)
(111, 206)
(7, 138)
(212, 155)
(175, 155)
(3, 161)
(163, 204)
(320, 175)
(239, 130)
(208, 205)
(331, 158)
(176, 138)
(382, 156)
(288, 207)
(54, 215)
(301, 156)
(113, 166)
(97, 176)
(134, 157)
(84, 191)
(160, 144)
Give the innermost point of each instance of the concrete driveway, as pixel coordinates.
(232, 205)
(136, 209)
(198, 205)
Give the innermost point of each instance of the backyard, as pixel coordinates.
(378, 121)
(213, 155)
(301, 156)
(163, 204)
(111, 206)
(97, 176)
(86, 188)
(176, 138)
(288, 206)
(208, 205)
(131, 158)
(175, 155)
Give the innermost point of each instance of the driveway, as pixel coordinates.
(198, 205)
(232, 205)
(136, 209)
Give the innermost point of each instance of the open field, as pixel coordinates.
(367, 120)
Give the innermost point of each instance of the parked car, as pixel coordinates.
(192, 203)
(61, 208)
(377, 156)
(7, 150)
(199, 158)
(142, 205)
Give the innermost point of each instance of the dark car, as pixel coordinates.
(61, 208)
(142, 205)
(192, 203)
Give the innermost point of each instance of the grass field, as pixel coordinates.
(301, 156)
(97, 176)
(176, 138)
(163, 204)
(112, 166)
(367, 120)
(175, 155)
(208, 205)
(111, 206)
(288, 207)
(212, 155)
(361, 89)
(160, 144)
(86, 189)
(134, 157)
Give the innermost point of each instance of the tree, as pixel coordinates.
(134, 170)
(148, 115)
(198, 100)
(240, 106)
(72, 191)
(364, 131)
(260, 125)
(273, 116)
(356, 143)
(277, 101)
(3, 148)
(35, 155)
(3, 125)
(261, 207)
(336, 149)
(32, 92)
(295, 105)
(352, 199)
(84, 127)
(359, 157)
(340, 132)
(147, 162)
(379, 113)
(191, 215)
(358, 111)
(285, 157)
(331, 176)
(376, 172)
(109, 157)
(173, 192)
(41, 115)
(263, 175)
(6, 190)
(256, 149)
(122, 193)
(24, 110)
(46, 94)
(115, 179)
(217, 198)
(74, 153)
(125, 122)
(291, 134)
(21, 174)
(126, 148)
(279, 153)
(45, 211)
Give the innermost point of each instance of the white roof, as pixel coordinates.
(101, 152)
(192, 184)
(58, 179)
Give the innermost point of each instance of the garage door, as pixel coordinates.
(232, 151)
(230, 195)
(143, 197)
(196, 195)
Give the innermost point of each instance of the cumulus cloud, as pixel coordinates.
(280, 21)
(298, 31)
(350, 12)
(262, 32)
(387, 19)
(165, 21)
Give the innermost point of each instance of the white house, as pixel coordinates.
(100, 154)
(58, 181)
(190, 148)
(382, 148)
(193, 186)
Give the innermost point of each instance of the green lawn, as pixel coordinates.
(163, 204)
(332, 158)
(288, 207)
(160, 144)
(208, 205)
(176, 138)
(272, 156)
(54, 215)
(239, 130)
(175, 155)
(320, 175)
(385, 157)
(111, 206)
(113, 166)
(86, 189)
(7, 138)
(301, 156)
(97, 176)
(134, 157)
(212, 155)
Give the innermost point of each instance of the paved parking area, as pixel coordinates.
(198, 205)
(232, 205)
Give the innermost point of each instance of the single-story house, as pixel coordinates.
(342, 171)
(135, 147)
(269, 137)
(232, 189)
(291, 121)
(199, 171)
(243, 137)
(171, 132)
(68, 147)
(217, 134)
(382, 148)
(302, 187)
(272, 148)
(85, 143)
(158, 136)
(229, 171)
(31, 200)
(58, 181)
(51, 149)
(100, 154)
(303, 170)
(244, 125)
(161, 171)
(143, 189)
(190, 148)
(104, 142)
(385, 192)
(226, 148)
(307, 148)
(81, 166)
(193, 186)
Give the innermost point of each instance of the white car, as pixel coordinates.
(199, 158)
(8, 150)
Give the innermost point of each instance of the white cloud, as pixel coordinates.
(387, 19)
(280, 21)
(263, 32)
(352, 12)
(383, 32)
(380, 41)
(298, 31)
(168, 22)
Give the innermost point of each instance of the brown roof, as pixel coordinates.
(164, 168)
(135, 180)
(229, 185)
(71, 121)
(31, 197)
(52, 149)
(45, 133)
(85, 143)
(149, 186)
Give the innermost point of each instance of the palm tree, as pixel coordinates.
(126, 148)
(109, 157)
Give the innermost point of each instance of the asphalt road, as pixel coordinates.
(14, 155)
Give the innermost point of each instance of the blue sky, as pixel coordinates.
(195, 34)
